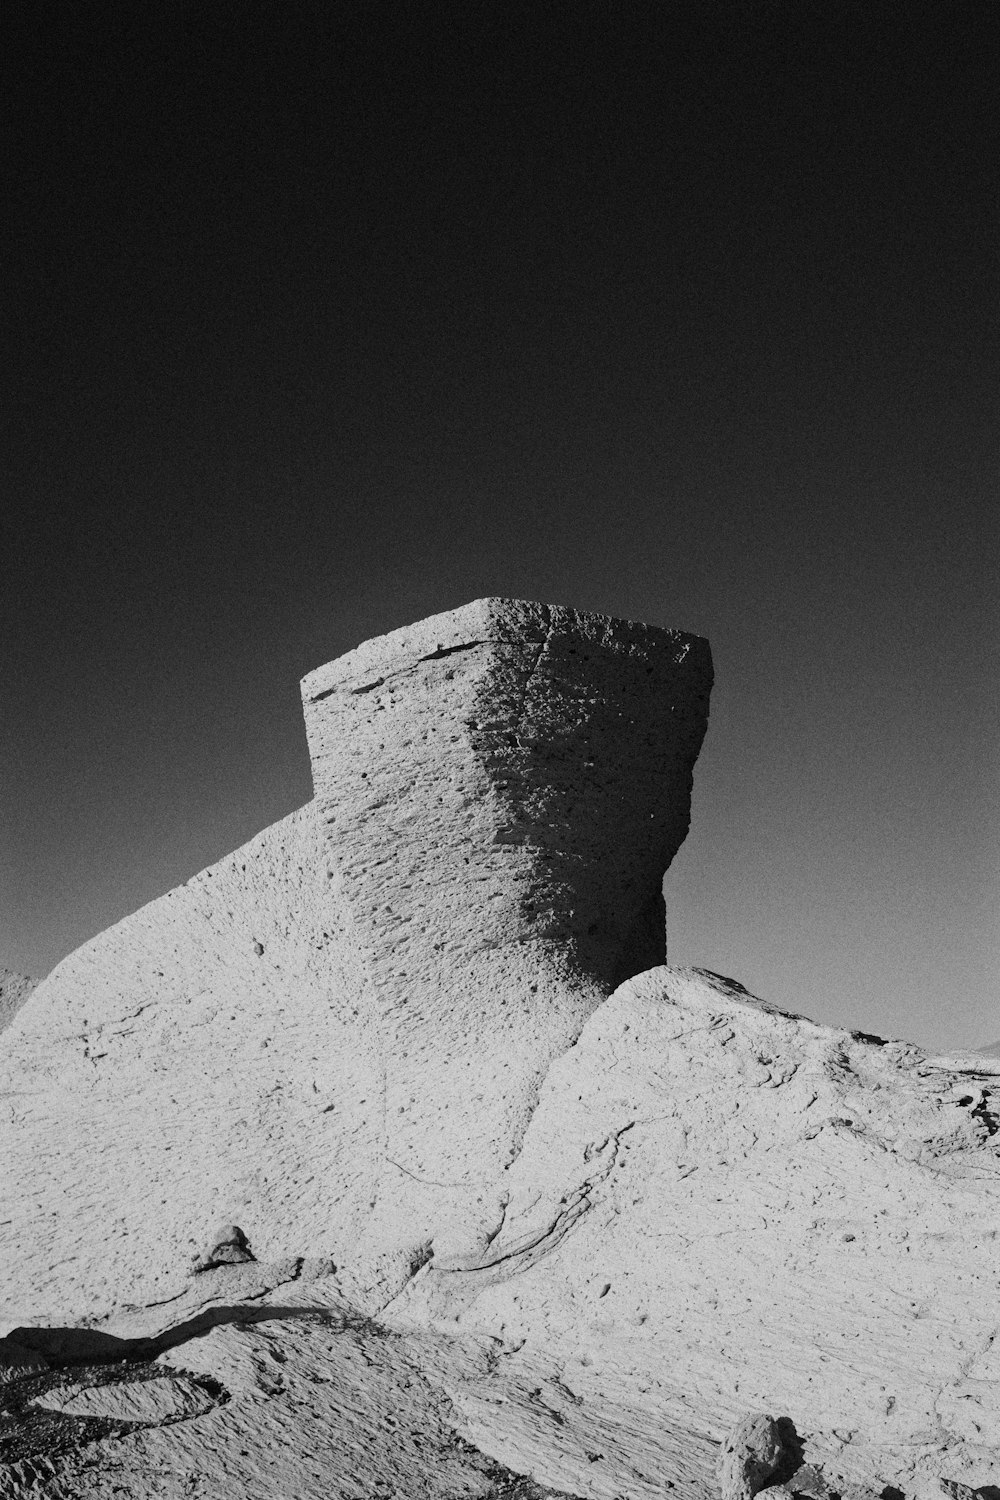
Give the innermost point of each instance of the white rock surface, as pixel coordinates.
(166, 1079)
(373, 1049)
(721, 1208)
(718, 1208)
(334, 1037)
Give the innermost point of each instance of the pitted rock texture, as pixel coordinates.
(334, 1037)
(282, 1403)
(502, 788)
(14, 991)
(166, 1078)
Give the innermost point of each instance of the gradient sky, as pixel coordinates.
(322, 318)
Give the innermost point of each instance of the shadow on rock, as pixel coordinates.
(79, 1346)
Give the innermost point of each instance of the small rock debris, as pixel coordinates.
(230, 1247)
(751, 1455)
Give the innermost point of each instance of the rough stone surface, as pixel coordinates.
(147, 1401)
(376, 1045)
(717, 1207)
(14, 991)
(229, 1247)
(335, 1036)
(720, 1207)
(17, 1362)
(750, 1456)
(165, 1079)
(501, 789)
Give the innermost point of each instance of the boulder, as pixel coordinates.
(751, 1454)
(228, 1247)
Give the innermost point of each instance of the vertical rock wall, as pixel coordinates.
(502, 787)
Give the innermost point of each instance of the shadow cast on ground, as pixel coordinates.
(79, 1346)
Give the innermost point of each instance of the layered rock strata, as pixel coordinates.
(334, 1037)
(370, 1054)
(501, 789)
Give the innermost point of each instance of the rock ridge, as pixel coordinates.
(721, 1208)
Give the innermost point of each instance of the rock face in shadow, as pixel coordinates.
(14, 991)
(334, 1037)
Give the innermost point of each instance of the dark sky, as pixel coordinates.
(322, 318)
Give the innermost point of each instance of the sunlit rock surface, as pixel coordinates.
(334, 1037)
(342, 1171)
(499, 791)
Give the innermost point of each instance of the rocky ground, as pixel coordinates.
(319, 1404)
(718, 1208)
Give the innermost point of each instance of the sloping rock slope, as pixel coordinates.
(333, 1039)
(720, 1207)
(297, 1402)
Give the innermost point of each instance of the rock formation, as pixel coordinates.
(334, 1037)
(14, 990)
(750, 1457)
(721, 1208)
(598, 1231)
(499, 790)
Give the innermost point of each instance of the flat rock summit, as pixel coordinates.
(387, 1157)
